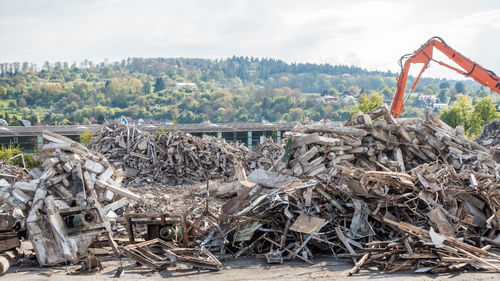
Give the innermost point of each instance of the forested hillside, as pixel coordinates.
(237, 89)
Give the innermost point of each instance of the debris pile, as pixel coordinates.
(378, 142)
(397, 194)
(429, 219)
(265, 155)
(126, 148)
(11, 174)
(66, 201)
(11, 218)
(412, 195)
(436, 209)
(167, 157)
(189, 159)
(198, 258)
(12, 182)
(401, 195)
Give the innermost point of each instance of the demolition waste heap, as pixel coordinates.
(399, 195)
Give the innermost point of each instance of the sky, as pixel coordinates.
(369, 34)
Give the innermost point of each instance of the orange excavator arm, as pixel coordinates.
(424, 55)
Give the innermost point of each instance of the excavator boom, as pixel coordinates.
(424, 55)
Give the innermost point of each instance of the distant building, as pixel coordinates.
(347, 99)
(186, 85)
(326, 98)
(424, 100)
(140, 121)
(440, 106)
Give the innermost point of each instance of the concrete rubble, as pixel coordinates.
(489, 135)
(400, 195)
(489, 138)
(64, 200)
(385, 144)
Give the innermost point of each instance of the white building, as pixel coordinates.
(440, 105)
(179, 85)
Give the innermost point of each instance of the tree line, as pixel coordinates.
(236, 89)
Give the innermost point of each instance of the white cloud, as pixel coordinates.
(370, 34)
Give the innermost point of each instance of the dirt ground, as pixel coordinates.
(242, 269)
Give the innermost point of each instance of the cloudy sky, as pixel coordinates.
(370, 34)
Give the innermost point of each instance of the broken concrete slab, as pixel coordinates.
(119, 190)
(93, 167)
(270, 179)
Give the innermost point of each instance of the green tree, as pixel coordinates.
(443, 98)
(33, 119)
(457, 113)
(368, 103)
(295, 114)
(333, 92)
(86, 137)
(354, 90)
(147, 87)
(141, 101)
(444, 85)
(431, 89)
(341, 88)
(71, 108)
(472, 118)
(159, 84)
(484, 111)
(460, 87)
(482, 93)
(14, 121)
(386, 93)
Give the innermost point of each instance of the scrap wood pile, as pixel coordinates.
(430, 219)
(399, 195)
(378, 142)
(186, 157)
(402, 196)
(66, 201)
(264, 156)
(168, 157)
(126, 148)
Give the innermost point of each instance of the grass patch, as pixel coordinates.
(86, 137)
(7, 152)
(5, 102)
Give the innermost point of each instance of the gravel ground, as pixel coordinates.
(242, 269)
